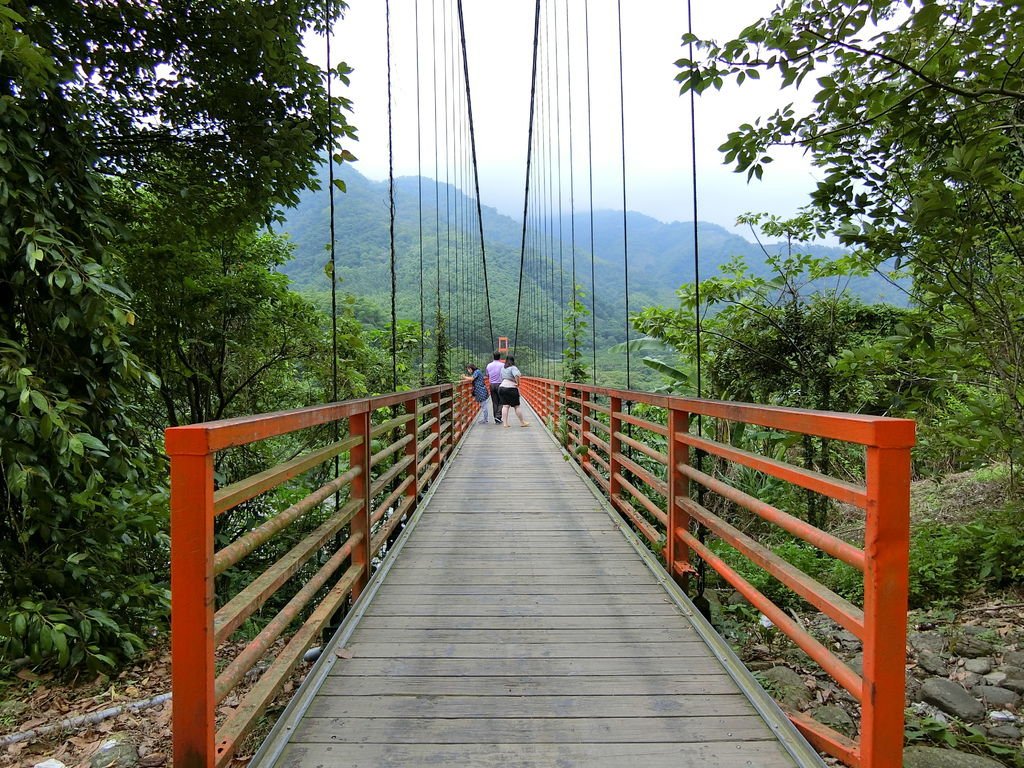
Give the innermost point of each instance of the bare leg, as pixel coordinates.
(522, 421)
(504, 415)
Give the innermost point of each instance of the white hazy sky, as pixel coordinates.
(499, 43)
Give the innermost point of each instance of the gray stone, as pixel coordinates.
(837, 718)
(1015, 682)
(735, 598)
(972, 646)
(997, 697)
(952, 699)
(1014, 658)
(848, 639)
(857, 663)
(978, 666)
(787, 686)
(932, 663)
(995, 678)
(1006, 732)
(933, 757)
(116, 752)
(927, 641)
(969, 680)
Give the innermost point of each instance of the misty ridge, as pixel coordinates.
(660, 254)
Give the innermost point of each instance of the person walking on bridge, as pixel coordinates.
(494, 369)
(509, 392)
(475, 375)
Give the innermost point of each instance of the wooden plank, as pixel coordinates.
(522, 611)
(525, 632)
(473, 601)
(533, 667)
(622, 633)
(593, 685)
(551, 730)
(378, 649)
(542, 580)
(759, 754)
(531, 708)
(504, 623)
(414, 589)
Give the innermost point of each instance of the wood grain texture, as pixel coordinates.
(519, 628)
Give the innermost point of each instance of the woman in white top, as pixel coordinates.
(508, 392)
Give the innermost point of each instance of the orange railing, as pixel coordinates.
(374, 490)
(647, 468)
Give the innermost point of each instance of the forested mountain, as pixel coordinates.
(660, 254)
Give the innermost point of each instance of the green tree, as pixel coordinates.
(80, 528)
(217, 93)
(215, 321)
(574, 327)
(777, 340)
(915, 123)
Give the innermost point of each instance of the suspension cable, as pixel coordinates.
(438, 322)
(476, 173)
(625, 230)
(572, 195)
(419, 191)
(561, 218)
(700, 601)
(590, 168)
(391, 208)
(529, 155)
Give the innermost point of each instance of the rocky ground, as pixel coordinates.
(965, 679)
(965, 674)
(130, 739)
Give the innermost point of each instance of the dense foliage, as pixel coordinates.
(78, 500)
(915, 124)
(167, 99)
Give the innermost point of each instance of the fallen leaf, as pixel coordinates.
(343, 653)
(27, 674)
(153, 760)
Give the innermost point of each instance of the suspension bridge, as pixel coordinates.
(484, 595)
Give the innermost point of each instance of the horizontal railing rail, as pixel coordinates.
(381, 453)
(648, 460)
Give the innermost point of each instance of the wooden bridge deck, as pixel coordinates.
(519, 626)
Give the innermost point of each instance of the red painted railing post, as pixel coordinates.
(615, 446)
(584, 429)
(362, 489)
(677, 553)
(412, 493)
(886, 548)
(192, 635)
(435, 431)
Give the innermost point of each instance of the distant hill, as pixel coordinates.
(660, 254)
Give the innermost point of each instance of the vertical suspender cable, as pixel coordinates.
(437, 196)
(572, 192)
(447, 183)
(699, 601)
(561, 239)
(529, 154)
(590, 173)
(419, 191)
(391, 207)
(330, 194)
(625, 234)
(476, 174)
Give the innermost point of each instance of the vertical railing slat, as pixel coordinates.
(886, 547)
(359, 426)
(677, 553)
(192, 632)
